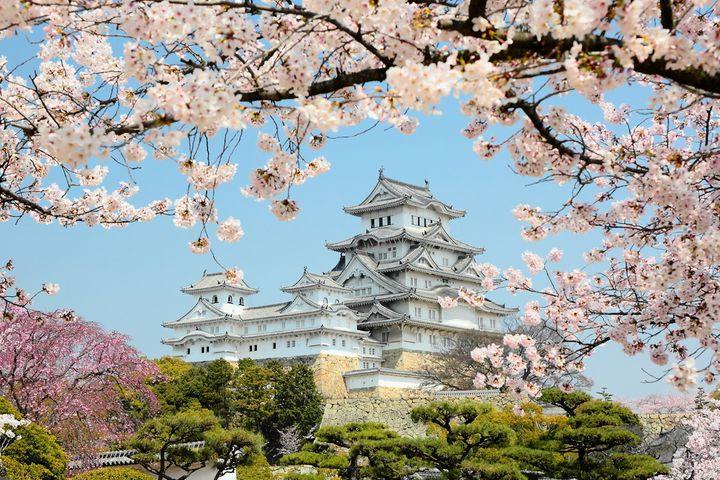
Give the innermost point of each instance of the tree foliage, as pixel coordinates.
(644, 176)
(37, 455)
(113, 473)
(472, 440)
(597, 439)
(271, 398)
(204, 385)
(170, 441)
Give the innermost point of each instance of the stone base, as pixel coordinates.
(392, 411)
(328, 370)
(406, 360)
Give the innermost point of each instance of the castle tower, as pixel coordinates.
(400, 264)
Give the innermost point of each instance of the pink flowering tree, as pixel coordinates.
(116, 82)
(699, 457)
(71, 376)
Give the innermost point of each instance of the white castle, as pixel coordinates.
(367, 324)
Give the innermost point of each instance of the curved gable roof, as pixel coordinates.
(389, 192)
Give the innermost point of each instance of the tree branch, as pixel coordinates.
(666, 14)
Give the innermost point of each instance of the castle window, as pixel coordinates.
(333, 342)
(214, 300)
(372, 223)
(241, 301)
(287, 344)
(343, 343)
(250, 347)
(188, 351)
(385, 336)
(380, 221)
(274, 345)
(388, 220)
(432, 314)
(230, 299)
(419, 337)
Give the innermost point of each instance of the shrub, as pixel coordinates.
(113, 473)
(316, 459)
(304, 476)
(36, 454)
(19, 471)
(259, 469)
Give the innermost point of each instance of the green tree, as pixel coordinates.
(472, 440)
(270, 398)
(169, 440)
(466, 440)
(298, 401)
(254, 388)
(232, 448)
(206, 386)
(37, 455)
(598, 438)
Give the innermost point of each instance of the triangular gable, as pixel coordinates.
(471, 269)
(358, 265)
(381, 193)
(423, 259)
(304, 281)
(439, 234)
(380, 311)
(202, 310)
(300, 304)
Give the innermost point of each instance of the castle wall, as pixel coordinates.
(391, 408)
(406, 360)
(328, 370)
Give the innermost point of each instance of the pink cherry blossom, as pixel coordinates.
(51, 356)
(230, 230)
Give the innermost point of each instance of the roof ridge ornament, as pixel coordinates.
(381, 172)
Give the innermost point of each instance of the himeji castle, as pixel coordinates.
(369, 323)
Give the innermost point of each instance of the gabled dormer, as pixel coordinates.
(321, 289)
(395, 204)
(217, 290)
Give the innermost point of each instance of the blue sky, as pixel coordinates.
(129, 279)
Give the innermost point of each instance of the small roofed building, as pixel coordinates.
(369, 323)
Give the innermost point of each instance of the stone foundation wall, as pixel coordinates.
(391, 411)
(406, 360)
(328, 370)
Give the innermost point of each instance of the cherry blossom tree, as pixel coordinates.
(71, 376)
(699, 457)
(115, 82)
